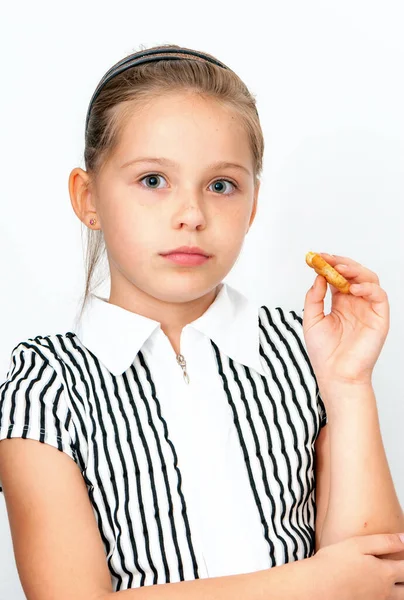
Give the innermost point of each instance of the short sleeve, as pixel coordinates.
(32, 402)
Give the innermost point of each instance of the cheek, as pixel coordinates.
(131, 237)
(231, 228)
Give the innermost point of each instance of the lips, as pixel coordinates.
(187, 256)
(187, 250)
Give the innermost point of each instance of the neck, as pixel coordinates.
(172, 316)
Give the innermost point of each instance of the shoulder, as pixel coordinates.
(43, 351)
(33, 402)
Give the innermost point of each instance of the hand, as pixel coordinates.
(352, 569)
(344, 345)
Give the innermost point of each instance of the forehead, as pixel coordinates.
(183, 123)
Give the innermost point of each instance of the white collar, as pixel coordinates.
(115, 335)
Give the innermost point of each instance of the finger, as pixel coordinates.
(352, 268)
(333, 259)
(357, 273)
(370, 291)
(314, 302)
(378, 544)
(373, 293)
(397, 568)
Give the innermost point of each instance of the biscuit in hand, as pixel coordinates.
(322, 267)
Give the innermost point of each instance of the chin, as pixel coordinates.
(184, 289)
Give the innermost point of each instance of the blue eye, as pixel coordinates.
(218, 185)
(154, 180)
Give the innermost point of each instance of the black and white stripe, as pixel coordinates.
(113, 427)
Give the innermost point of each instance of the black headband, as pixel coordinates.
(145, 56)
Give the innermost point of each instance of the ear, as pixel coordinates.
(255, 204)
(82, 197)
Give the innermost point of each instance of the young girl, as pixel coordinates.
(198, 446)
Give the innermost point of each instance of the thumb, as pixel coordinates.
(314, 302)
(382, 543)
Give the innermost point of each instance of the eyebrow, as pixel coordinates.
(170, 163)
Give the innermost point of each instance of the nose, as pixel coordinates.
(190, 214)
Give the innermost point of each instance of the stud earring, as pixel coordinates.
(92, 221)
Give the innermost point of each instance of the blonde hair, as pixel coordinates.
(136, 86)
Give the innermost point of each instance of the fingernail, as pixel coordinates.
(401, 536)
(342, 266)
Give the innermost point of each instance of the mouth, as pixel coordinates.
(187, 255)
(187, 250)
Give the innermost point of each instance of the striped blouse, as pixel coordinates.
(197, 465)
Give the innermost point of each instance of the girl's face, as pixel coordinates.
(164, 187)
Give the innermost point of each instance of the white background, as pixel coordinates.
(328, 77)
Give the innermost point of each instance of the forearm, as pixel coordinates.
(293, 581)
(362, 497)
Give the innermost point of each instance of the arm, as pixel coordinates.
(293, 581)
(357, 496)
(59, 552)
(362, 499)
(57, 545)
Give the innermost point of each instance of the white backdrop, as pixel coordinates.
(328, 77)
